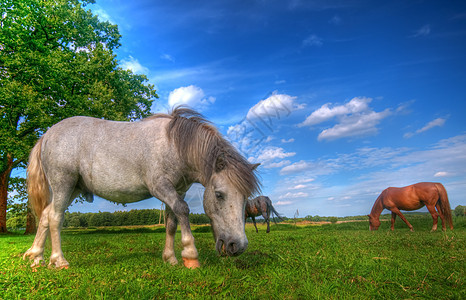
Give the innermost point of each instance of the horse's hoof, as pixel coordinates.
(191, 263)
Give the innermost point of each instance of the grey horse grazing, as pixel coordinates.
(160, 156)
(261, 205)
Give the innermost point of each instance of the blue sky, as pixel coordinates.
(337, 99)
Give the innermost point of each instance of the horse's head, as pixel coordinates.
(374, 222)
(224, 203)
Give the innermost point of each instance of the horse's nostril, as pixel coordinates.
(232, 248)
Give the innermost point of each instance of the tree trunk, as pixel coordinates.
(4, 179)
(31, 227)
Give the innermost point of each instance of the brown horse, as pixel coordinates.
(431, 194)
(261, 205)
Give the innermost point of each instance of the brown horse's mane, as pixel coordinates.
(201, 145)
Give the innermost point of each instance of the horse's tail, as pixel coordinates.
(444, 204)
(37, 183)
(276, 213)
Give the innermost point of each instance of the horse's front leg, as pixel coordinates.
(189, 253)
(392, 227)
(36, 252)
(398, 212)
(171, 225)
(254, 222)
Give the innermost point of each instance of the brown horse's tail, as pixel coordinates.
(444, 204)
(38, 188)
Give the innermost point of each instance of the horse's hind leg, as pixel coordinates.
(62, 197)
(433, 212)
(36, 252)
(398, 212)
(171, 225)
(442, 217)
(267, 219)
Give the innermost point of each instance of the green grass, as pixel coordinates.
(335, 261)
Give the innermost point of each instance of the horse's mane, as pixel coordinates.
(200, 144)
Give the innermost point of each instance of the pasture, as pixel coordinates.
(331, 261)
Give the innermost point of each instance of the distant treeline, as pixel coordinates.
(124, 218)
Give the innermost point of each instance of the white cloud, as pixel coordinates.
(296, 167)
(434, 123)
(271, 152)
(441, 174)
(356, 125)
(251, 133)
(167, 57)
(298, 187)
(335, 20)
(192, 96)
(274, 106)
(293, 195)
(283, 203)
(325, 112)
(277, 164)
(355, 118)
(102, 15)
(313, 40)
(287, 141)
(269, 155)
(133, 65)
(423, 31)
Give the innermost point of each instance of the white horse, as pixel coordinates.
(160, 156)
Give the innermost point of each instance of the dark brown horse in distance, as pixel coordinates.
(431, 194)
(261, 205)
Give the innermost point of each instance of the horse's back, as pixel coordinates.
(108, 158)
(411, 197)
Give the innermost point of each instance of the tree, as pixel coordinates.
(460, 211)
(57, 61)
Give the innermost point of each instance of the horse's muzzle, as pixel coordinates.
(230, 247)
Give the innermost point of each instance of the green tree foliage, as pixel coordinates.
(57, 61)
(460, 211)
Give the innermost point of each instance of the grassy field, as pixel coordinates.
(332, 261)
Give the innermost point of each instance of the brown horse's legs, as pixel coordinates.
(433, 212)
(439, 209)
(393, 221)
(254, 221)
(398, 212)
(268, 225)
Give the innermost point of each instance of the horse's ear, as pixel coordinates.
(220, 163)
(254, 166)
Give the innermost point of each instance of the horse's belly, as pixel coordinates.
(118, 189)
(123, 196)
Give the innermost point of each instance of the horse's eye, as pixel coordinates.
(219, 195)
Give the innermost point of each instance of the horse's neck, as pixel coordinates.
(377, 208)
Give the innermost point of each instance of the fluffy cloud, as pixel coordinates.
(354, 118)
(326, 112)
(357, 125)
(133, 65)
(192, 96)
(274, 106)
(251, 133)
(269, 155)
